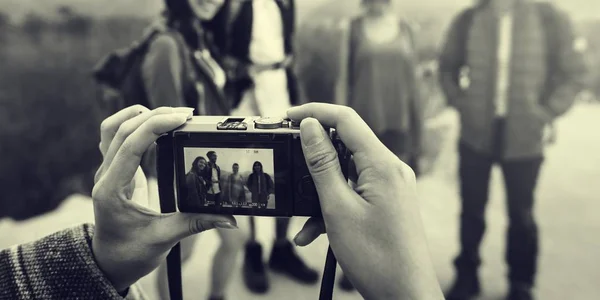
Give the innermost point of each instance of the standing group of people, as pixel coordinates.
(203, 184)
(235, 57)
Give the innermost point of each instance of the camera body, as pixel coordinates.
(238, 166)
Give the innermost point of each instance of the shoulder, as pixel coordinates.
(163, 43)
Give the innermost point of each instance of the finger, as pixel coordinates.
(134, 123)
(323, 164)
(176, 227)
(311, 230)
(128, 157)
(110, 125)
(354, 132)
(352, 172)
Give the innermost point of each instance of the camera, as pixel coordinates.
(239, 166)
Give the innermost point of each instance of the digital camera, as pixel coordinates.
(239, 166)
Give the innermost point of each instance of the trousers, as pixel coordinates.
(520, 178)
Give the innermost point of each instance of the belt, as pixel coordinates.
(235, 66)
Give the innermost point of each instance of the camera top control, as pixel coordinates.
(232, 124)
(268, 123)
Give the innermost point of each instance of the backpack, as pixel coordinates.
(549, 18)
(119, 74)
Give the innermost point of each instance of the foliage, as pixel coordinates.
(49, 112)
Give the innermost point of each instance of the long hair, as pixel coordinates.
(194, 169)
(180, 16)
(260, 165)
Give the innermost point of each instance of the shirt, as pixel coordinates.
(215, 185)
(270, 96)
(503, 62)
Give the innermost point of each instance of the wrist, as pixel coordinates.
(109, 266)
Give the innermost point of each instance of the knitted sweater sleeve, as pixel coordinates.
(59, 266)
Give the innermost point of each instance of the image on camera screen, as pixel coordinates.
(230, 177)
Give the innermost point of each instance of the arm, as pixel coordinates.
(342, 84)
(270, 184)
(230, 184)
(191, 187)
(161, 73)
(450, 64)
(571, 74)
(58, 266)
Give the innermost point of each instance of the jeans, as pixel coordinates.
(520, 178)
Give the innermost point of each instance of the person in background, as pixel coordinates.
(197, 186)
(180, 69)
(524, 51)
(381, 83)
(255, 42)
(212, 174)
(237, 188)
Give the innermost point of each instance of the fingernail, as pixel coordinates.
(182, 117)
(291, 110)
(311, 132)
(189, 111)
(225, 225)
(183, 109)
(296, 239)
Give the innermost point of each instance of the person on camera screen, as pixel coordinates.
(237, 187)
(261, 185)
(197, 186)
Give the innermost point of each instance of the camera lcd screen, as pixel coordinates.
(230, 177)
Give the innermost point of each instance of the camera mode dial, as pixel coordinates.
(268, 123)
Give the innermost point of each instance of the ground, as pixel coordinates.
(567, 212)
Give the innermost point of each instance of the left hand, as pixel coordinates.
(131, 240)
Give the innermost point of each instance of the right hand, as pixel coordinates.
(375, 229)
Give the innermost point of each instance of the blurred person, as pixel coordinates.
(255, 42)
(260, 185)
(212, 174)
(525, 52)
(194, 179)
(181, 69)
(382, 84)
(127, 241)
(237, 187)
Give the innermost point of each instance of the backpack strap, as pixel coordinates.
(463, 27)
(235, 7)
(549, 17)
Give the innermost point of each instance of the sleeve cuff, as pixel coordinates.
(63, 264)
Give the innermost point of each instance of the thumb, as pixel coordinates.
(178, 226)
(322, 161)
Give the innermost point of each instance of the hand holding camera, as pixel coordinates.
(375, 228)
(129, 239)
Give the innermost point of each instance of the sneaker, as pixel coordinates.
(285, 260)
(345, 284)
(520, 292)
(466, 287)
(255, 276)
